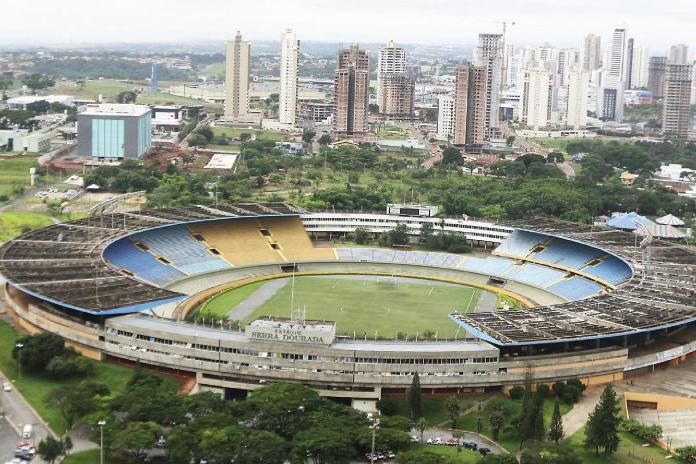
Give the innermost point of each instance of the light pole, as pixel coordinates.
(19, 347)
(101, 425)
(375, 424)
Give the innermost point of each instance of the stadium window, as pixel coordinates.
(214, 251)
(198, 237)
(265, 232)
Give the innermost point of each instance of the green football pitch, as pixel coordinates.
(371, 307)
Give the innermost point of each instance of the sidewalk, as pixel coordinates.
(576, 418)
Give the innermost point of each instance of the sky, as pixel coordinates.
(562, 23)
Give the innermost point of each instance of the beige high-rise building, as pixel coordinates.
(397, 96)
(351, 85)
(489, 53)
(470, 102)
(534, 107)
(391, 60)
(578, 91)
(676, 112)
(592, 53)
(289, 73)
(679, 54)
(237, 70)
(657, 66)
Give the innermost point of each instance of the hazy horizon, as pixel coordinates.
(440, 22)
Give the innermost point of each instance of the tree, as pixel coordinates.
(323, 446)
(510, 140)
(601, 430)
(556, 428)
(127, 96)
(497, 459)
(415, 401)
(495, 422)
(197, 140)
(244, 137)
(453, 408)
(399, 235)
(308, 135)
(325, 139)
(426, 233)
(452, 156)
(362, 235)
(74, 403)
(549, 453)
(50, 449)
(373, 108)
(206, 132)
(424, 456)
(38, 350)
(421, 425)
(136, 437)
(38, 81)
(687, 453)
(39, 107)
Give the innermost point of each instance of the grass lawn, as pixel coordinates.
(14, 172)
(508, 437)
(392, 133)
(434, 410)
(37, 389)
(15, 223)
(631, 451)
(260, 134)
(91, 457)
(461, 455)
(223, 303)
(367, 307)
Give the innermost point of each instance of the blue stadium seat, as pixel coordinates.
(178, 246)
(493, 265)
(612, 269)
(533, 274)
(575, 288)
(520, 243)
(124, 254)
(567, 253)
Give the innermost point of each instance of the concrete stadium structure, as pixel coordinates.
(595, 303)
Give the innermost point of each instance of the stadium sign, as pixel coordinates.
(276, 330)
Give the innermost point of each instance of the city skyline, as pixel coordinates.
(446, 22)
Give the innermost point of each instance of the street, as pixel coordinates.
(8, 440)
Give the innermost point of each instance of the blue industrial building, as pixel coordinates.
(114, 131)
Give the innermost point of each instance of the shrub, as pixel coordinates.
(558, 388)
(571, 394)
(388, 406)
(577, 383)
(649, 433)
(516, 393)
(543, 389)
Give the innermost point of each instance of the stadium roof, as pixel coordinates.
(63, 264)
(628, 221)
(659, 295)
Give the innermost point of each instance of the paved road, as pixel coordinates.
(8, 440)
(19, 413)
(576, 418)
(256, 299)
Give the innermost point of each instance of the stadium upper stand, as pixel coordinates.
(178, 246)
(63, 264)
(657, 290)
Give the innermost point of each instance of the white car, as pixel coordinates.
(6, 387)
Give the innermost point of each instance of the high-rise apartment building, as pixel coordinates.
(395, 89)
(578, 89)
(676, 115)
(679, 54)
(656, 75)
(628, 67)
(445, 117)
(490, 54)
(592, 53)
(391, 60)
(289, 73)
(639, 73)
(237, 70)
(617, 58)
(397, 96)
(534, 107)
(470, 105)
(351, 88)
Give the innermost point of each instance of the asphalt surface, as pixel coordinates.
(8, 440)
(445, 435)
(18, 413)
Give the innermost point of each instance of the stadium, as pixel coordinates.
(569, 300)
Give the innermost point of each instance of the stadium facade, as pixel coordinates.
(595, 303)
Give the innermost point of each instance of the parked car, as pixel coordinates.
(6, 387)
(470, 445)
(484, 451)
(452, 442)
(27, 431)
